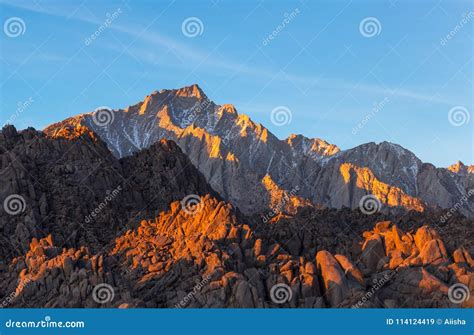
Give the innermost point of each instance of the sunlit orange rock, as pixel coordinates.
(335, 284)
(389, 195)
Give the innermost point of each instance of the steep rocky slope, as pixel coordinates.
(235, 154)
(76, 190)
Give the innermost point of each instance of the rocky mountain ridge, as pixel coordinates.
(235, 154)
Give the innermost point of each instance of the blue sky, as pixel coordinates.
(319, 65)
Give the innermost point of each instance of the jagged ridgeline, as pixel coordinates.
(253, 169)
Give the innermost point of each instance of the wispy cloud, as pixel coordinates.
(152, 42)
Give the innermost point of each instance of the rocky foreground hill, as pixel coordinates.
(80, 227)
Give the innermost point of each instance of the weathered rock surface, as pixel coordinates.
(184, 260)
(148, 248)
(73, 188)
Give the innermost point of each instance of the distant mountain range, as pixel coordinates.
(254, 170)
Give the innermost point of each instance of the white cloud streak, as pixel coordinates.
(151, 42)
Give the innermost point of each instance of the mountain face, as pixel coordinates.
(80, 227)
(239, 157)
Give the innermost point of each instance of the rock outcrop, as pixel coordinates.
(76, 190)
(82, 228)
(185, 260)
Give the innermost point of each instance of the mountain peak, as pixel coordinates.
(192, 91)
(460, 168)
(316, 147)
(8, 130)
(228, 108)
